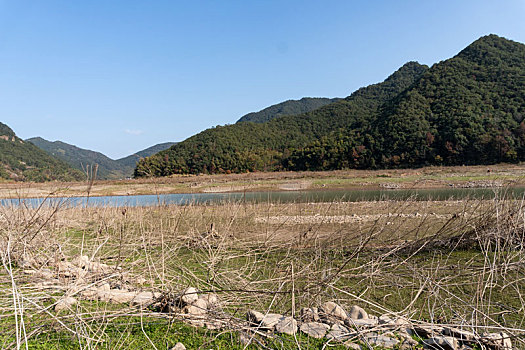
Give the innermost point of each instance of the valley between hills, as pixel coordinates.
(409, 273)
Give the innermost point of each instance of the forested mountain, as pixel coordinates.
(262, 146)
(290, 107)
(108, 168)
(23, 161)
(469, 109)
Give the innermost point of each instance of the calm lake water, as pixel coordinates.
(283, 197)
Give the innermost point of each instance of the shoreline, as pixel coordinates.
(501, 175)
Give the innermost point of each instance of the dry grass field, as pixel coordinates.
(457, 262)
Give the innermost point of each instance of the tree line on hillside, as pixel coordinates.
(469, 109)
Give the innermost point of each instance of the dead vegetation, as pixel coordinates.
(457, 264)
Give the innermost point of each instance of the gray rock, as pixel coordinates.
(189, 295)
(441, 343)
(459, 333)
(270, 321)
(179, 346)
(286, 325)
(310, 314)
(339, 332)
(315, 329)
(331, 311)
(382, 341)
(357, 313)
(263, 321)
(362, 322)
(385, 319)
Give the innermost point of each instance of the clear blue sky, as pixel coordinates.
(119, 76)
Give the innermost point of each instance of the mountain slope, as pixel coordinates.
(130, 161)
(253, 146)
(24, 161)
(79, 158)
(469, 109)
(108, 168)
(290, 107)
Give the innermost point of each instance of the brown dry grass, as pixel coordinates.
(404, 259)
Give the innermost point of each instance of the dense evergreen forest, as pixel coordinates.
(290, 107)
(23, 161)
(469, 109)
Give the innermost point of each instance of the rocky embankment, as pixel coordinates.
(354, 327)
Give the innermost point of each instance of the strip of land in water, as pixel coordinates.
(481, 176)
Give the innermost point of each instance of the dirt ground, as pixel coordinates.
(428, 177)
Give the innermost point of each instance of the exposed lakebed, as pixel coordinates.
(282, 197)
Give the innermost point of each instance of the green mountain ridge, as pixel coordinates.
(23, 161)
(469, 109)
(289, 107)
(79, 158)
(261, 146)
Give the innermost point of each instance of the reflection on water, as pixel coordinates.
(283, 197)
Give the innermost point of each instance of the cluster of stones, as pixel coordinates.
(90, 280)
(95, 281)
(333, 322)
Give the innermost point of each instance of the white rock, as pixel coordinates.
(179, 346)
(189, 295)
(501, 340)
(357, 312)
(286, 325)
(269, 321)
(211, 299)
(65, 303)
(332, 310)
(459, 333)
(315, 329)
(199, 307)
(442, 343)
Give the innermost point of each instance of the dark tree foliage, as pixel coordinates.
(290, 107)
(469, 109)
(20, 160)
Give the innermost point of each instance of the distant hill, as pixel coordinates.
(290, 107)
(469, 109)
(23, 161)
(131, 161)
(79, 158)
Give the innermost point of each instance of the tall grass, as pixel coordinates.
(455, 263)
